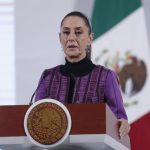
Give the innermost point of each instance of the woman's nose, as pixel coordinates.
(71, 36)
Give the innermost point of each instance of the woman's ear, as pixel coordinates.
(91, 36)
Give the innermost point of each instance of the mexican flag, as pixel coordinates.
(121, 43)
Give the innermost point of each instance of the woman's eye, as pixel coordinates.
(79, 32)
(66, 32)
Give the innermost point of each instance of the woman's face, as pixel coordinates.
(74, 37)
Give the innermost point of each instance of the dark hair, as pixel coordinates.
(81, 15)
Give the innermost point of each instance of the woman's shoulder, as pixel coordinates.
(106, 69)
(105, 72)
(49, 71)
(102, 68)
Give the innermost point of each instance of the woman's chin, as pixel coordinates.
(73, 54)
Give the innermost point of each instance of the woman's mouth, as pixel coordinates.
(71, 46)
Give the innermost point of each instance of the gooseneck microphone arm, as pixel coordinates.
(44, 75)
(31, 100)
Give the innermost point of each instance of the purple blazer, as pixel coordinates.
(98, 86)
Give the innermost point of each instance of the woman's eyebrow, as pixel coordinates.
(78, 28)
(66, 28)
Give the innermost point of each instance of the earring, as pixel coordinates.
(88, 51)
(88, 47)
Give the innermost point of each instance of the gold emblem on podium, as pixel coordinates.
(47, 123)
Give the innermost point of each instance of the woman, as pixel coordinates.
(79, 80)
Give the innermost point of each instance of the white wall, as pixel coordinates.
(37, 41)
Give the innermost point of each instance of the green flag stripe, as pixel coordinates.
(107, 13)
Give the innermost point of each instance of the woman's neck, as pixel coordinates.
(79, 68)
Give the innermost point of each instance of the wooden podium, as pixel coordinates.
(94, 127)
